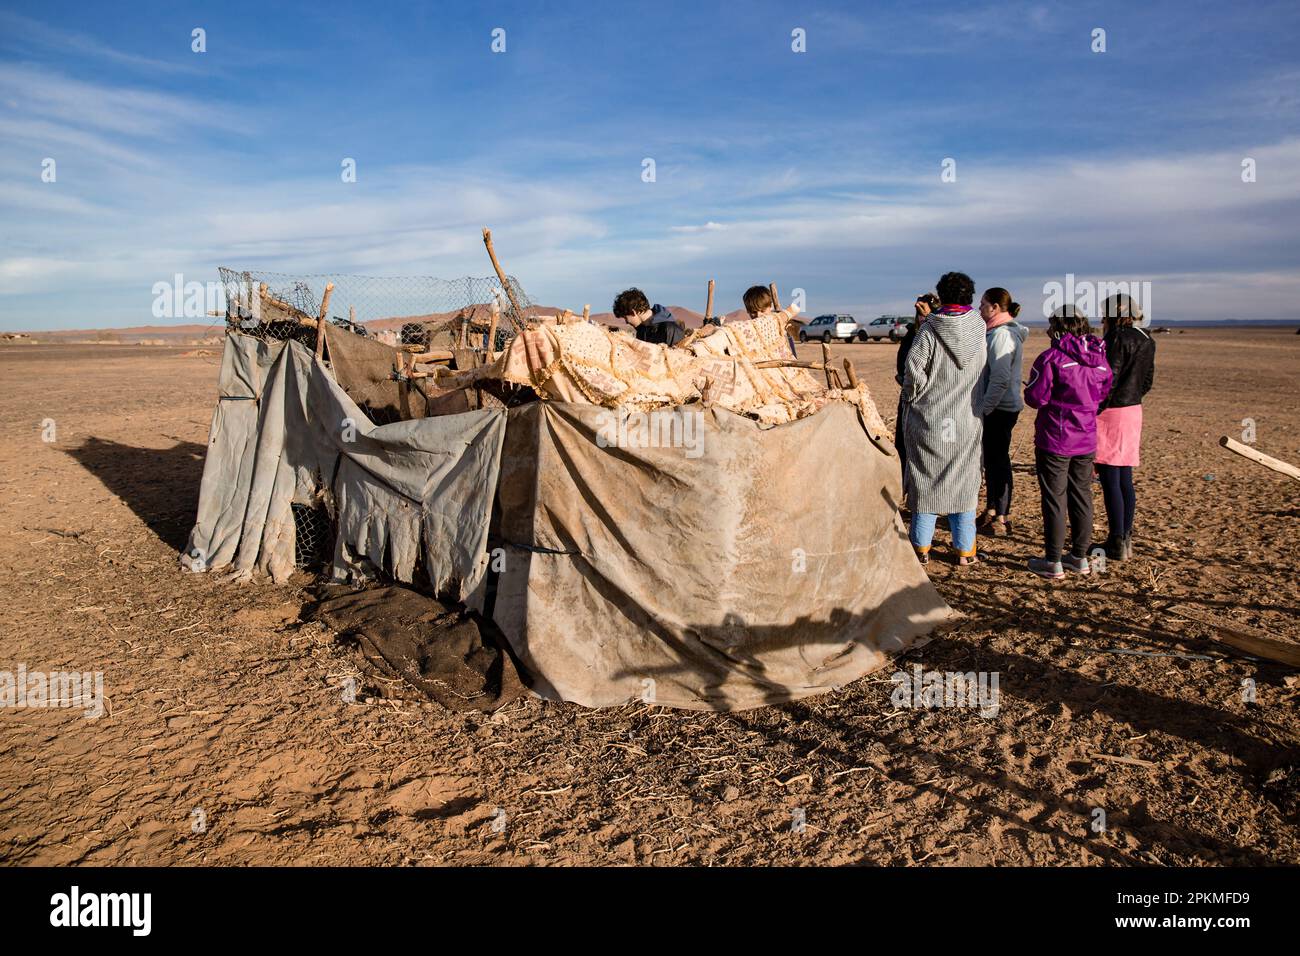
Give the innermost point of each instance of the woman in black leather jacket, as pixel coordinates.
(1131, 354)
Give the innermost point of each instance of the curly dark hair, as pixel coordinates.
(955, 288)
(630, 302)
(1069, 320)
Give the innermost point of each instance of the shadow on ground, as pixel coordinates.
(160, 485)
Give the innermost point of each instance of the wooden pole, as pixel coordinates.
(708, 303)
(517, 320)
(320, 321)
(1245, 451)
(849, 371)
(492, 330)
(790, 363)
(776, 303)
(433, 355)
(826, 363)
(1250, 640)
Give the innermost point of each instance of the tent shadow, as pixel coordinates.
(720, 651)
(159, 485)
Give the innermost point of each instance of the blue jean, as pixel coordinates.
(962, 526)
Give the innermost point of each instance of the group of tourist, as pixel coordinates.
(960, 367)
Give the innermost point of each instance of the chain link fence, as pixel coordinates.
(417, 312)
(401, 310)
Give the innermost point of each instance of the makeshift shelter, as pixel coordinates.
(640, 522)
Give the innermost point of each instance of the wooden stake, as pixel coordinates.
(849, 371)
(776, 303)
(708, 303)
(1251, 640)
(320, 321)
(492, 330)
(826, 363)
(517, 319)
(1245, 451)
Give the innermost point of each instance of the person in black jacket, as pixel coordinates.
(655, 325)
(1131, 354)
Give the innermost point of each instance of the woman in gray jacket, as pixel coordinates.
(1005, 340)
(941, 386)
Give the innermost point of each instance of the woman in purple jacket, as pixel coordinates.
(1068, 382)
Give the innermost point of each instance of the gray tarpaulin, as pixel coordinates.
(760, 565)
(285, 433)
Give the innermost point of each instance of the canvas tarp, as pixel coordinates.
(363, 367)
(732, 565)
(285, 433)
(750, 566)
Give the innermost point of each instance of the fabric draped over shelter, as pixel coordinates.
(663, 554)
(284, 433)
(698, 576)
(717, 366)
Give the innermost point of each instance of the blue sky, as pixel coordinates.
(818, 170)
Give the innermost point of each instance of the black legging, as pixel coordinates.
(1117, 490)
(996, 444)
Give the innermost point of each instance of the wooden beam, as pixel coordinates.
(492, 329)
(517, 320)
(790, 363)
(1251, 640)
(320, 320)
(433, 355)
(1245, 451)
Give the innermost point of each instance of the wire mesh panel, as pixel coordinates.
(272, 305)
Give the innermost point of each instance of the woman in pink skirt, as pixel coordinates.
(1131, 354)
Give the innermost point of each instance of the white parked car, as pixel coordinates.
(892, 327)
(824, 328)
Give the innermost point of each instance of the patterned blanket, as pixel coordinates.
(590, 363)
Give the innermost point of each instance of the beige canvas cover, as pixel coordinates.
(752, 566)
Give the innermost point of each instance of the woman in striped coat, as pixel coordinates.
(943, 426)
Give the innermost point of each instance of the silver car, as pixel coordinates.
(892, 327)
(824, 328)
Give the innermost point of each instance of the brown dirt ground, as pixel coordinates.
(221, 701)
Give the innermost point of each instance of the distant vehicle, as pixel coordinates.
(892, 327)
(827, 327)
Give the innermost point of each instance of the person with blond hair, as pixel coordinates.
(1131, 354)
